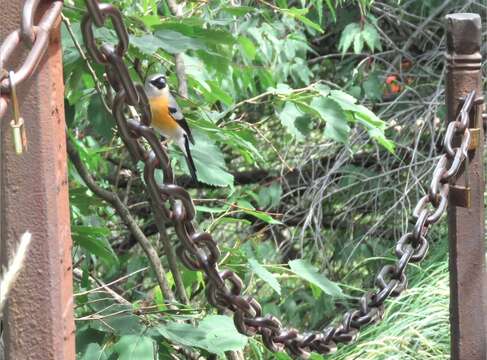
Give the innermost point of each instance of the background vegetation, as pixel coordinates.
(316, 126)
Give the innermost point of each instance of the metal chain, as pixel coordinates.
(199, 251)
(34, 37)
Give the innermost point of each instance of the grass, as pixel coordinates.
(415, 325)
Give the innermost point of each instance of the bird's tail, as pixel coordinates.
(189, 159)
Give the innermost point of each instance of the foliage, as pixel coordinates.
(357, 36)
(316, 123)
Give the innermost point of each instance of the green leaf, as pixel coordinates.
(371, 37)
(282, 3)
(369, 117)
(315, 356)
(248, 47)
(150, 20)
(377, 134)
(301, 71)
(354, 34)
(331, 7)
(94, 239)
(358, 43)
(221, 94)
(365, 117)
(348, 103)
(281, 89)
(238, 10)
(270, 196)
(215, 333)
(355, 91)
(117, 319)
(336, 120)
(291, 118)
(244, 143)
(194, 30)
(347, 37)
(106, 35)
(216, 61)
(215, 37)
(131, 347)
(245, 204)
(210, 164)
(373, 87)
(265, 275)
(230, 220)
(83, 200)
(147, 44)
(101, 120)
(282, 356)
(211, 210)
(262, 216)
(322, 89)
(174, 42)
(342, 97)
(299, 14)
(159, 299)
(307, 272)
(94, 352)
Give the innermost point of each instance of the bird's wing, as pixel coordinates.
(177, 114)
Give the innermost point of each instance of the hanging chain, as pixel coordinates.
(199, 251)
(34, 37)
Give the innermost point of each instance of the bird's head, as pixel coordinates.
(156, 85)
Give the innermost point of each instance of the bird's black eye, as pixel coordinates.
(159, 82)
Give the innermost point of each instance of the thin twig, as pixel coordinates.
(111, 283)
(118, 298)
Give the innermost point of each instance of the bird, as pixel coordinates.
(167, 117)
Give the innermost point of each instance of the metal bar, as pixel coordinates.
(466, 225)
(34, 193)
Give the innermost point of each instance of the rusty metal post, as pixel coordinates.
(39, 317)
(466, 224)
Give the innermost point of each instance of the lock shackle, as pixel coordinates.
(15, 100)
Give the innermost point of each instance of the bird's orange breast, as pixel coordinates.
(161, 118)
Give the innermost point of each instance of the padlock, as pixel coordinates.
(18, 135)
(17, 124)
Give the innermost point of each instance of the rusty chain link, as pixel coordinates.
(34, 37)
(199, 251)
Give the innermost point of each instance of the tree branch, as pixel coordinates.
(124, 213)
(177, 10)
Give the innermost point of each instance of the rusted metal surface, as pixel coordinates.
(466, 225)
(38, 318)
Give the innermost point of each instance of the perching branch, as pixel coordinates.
(177, 10)
(124, 213)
